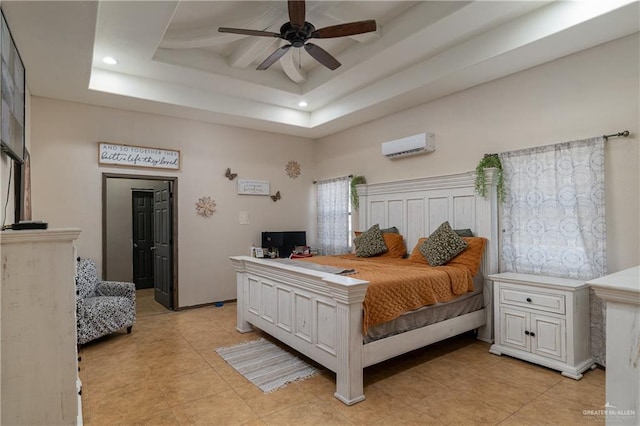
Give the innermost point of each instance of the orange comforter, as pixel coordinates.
(400, 285)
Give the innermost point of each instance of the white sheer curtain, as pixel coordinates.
(554, 217)
(333, 216)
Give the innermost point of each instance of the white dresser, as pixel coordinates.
(38, 325)
(621, 291)
(544, 320)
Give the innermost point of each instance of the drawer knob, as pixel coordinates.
(526, 332)
(529, 299)
(533, 334)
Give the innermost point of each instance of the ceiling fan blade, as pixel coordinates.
(248, 32)
(322, 56)
(348, 29)
(296, 12)
(274, 57)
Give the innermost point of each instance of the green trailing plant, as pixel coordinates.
(355, 200)
(489, 161)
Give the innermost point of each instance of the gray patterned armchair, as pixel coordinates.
(103, 307)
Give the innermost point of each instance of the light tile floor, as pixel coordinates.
(166, 372)
(146, 304)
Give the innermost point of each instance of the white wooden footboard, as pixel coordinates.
(320, 316)
(315, 313)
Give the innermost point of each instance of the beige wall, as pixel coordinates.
(583, 95)
(67, 181)
(7, 189)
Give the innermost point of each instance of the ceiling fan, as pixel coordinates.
(297, 31)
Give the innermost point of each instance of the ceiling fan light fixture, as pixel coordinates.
(303, 104)
(297, 31)
(110, 60)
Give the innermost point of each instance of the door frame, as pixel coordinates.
(174, 223)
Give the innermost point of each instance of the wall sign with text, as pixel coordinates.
(253, 187)
(138, 156)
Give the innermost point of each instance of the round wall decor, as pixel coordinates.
(293, 169)
(205, 207)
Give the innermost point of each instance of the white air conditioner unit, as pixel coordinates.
(411, 145)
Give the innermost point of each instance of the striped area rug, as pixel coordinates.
(266, 365)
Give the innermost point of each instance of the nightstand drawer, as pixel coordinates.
(548, 302)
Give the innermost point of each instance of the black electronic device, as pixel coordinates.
(28, 224)
(285, 241)
(13, 89)
(271, 239)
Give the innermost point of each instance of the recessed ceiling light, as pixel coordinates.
(109, 60)
(302, 104)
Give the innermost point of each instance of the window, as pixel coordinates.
(334, 216)
(553, 213)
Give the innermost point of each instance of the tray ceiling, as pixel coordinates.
(173, 61)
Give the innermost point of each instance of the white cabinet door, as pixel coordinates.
(550, 337)
(513, 326)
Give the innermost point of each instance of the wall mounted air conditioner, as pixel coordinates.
(411, 145)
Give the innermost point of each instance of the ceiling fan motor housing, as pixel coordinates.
(296, 35)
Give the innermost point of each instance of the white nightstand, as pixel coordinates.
(544, 320)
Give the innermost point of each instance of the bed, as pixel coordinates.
(320, 314)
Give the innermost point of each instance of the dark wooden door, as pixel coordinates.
(142, 202)
(162, 244)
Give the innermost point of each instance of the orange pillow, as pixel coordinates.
(415, 253)
(395, 245)
(471, 257)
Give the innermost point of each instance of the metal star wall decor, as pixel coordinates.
(205, 207)
(293, 169)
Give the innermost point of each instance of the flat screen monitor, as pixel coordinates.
(271, 239)
(284, 241)
(12, 89)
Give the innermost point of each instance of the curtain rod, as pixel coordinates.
(622, 134)
(316, 181)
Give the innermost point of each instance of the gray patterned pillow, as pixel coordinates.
(442, 245)
(463, 232)
(370, 242)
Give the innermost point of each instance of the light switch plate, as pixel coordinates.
(243, 218)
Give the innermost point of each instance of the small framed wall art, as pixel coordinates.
(253, 187)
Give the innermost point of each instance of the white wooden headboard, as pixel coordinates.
(418, 206)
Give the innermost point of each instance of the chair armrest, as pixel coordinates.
(114, 288)
(80, 308)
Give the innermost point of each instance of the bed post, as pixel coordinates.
(487, 222)
(242, 295)
(349, 340)
(363, 205)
